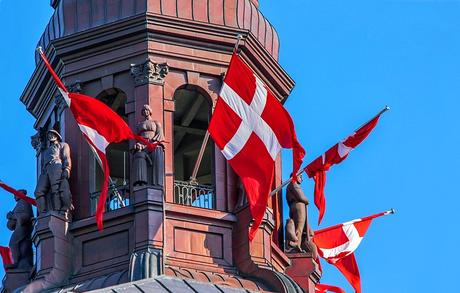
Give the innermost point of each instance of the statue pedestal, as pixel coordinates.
(147, 258)
(53, 242)
(15, 278)
(304, 270)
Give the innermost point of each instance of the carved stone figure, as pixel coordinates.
(20, 222)
(308, 244)
(37, 140)
(153, 132)
(52, 191)
(295, 226)
(139, 167)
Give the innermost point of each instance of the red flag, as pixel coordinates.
(250, 126)
(100, 126)
(336, 154)
(5, 253)
(323, 288)
(337, 244)
(19, 194)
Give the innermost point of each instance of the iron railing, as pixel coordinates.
(117, 198)
(191, 194)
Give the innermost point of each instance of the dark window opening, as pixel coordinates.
(191, 119)
(117, 157)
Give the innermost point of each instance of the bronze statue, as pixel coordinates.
(52, 191)
(139, 168)
(20, 222)
(153, 132)
(295, 226)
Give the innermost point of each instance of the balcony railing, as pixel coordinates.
(117, 198)
(191, 194)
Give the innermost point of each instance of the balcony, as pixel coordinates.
(196, 195)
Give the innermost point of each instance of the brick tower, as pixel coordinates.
(175, 234)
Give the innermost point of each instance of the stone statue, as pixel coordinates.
(153, 132)
(308, 244)
(20, 222)
(52, 191)
(139, 167)
(295, 226)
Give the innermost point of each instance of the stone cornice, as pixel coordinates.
(159, 29)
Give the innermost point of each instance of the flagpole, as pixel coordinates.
(286, 182)
(192, 179)
(389, 212)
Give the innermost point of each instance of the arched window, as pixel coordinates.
(117, 157)
(191, 118)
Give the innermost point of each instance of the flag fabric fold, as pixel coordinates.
(17, 193)
(337, 244)
(5, 253)
(100, 126)
(250, 126)
(323, 288)
(336, 154)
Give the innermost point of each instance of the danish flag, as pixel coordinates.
(336, 154)
(250, 126)
(323, 288)
(337, 244)
(5, 253)
(100, 126)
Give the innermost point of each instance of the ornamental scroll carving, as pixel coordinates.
(149, 72)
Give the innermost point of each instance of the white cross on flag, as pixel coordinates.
(250, 126)
(336, 245)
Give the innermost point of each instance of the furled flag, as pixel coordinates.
(250, 126)
(337, 244)
(336, 154)
(17, 193)
(100, 126)
(5, 253)
(323, 288)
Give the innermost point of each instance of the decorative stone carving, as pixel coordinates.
(37, 141)
(139, 166)
(20, 222)
(54, 3)
(295, 226)
(52, 191)
(149, 72)
(60, 104)
(75, 87)
(145, 264)
(153, 131)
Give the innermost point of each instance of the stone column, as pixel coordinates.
(304, 270)
(147, 258)
(15, 278)
(148, 81)
(54, 250)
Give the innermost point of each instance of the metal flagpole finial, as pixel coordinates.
(387, 108)
(40, 49)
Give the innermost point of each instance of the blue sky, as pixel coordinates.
(349, 59)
